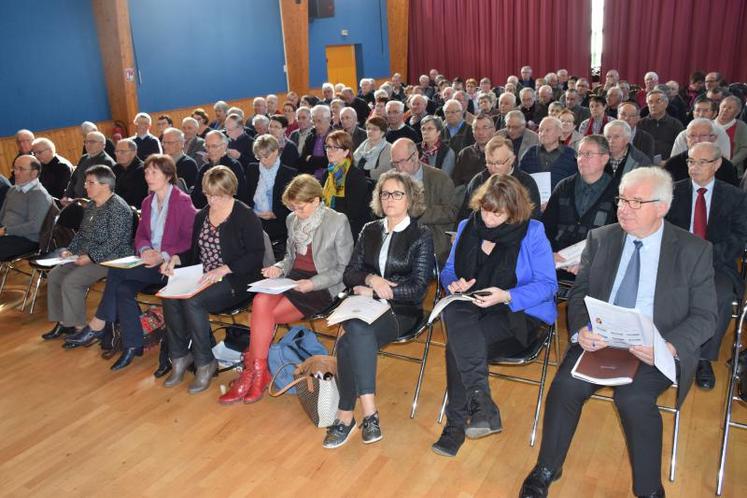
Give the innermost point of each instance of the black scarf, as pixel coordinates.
(498, 269)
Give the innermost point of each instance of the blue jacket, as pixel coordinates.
(536, 281)
(563, 167)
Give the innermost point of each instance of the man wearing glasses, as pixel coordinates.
(56, 170)
(23, 212)
(666, 273)
(700, 130)
(715, 211)
(94, 156)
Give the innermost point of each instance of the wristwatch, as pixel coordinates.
(507, 301)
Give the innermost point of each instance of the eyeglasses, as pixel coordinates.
(700, 162)
(20, 170)
(632, 203)
(214, 146)
(168, 142)
(499, 163)
(588, 155)
(124, 151)
(333, 147)
(90, 182)
(265, 156)
(39, 152)
(91, 142)
(397, 163)
(397, 195)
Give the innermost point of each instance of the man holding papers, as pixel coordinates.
(665, 273)
(582, 201)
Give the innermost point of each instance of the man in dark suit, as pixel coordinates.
(130, 184)
(361, 107)
(580, 112)
(95, 155)
(216, 144)
(147, 143)
(700, 130)
(675, 290)
(186, 167)
(723, 222)
(457, 133)
(642, 140)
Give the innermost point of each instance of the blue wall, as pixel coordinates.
(190, 53)
(51, 73)
(366, 23)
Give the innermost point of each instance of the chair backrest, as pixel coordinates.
(181, 184)
(46, 232)
(67, 222)
(269, 257)
(135, 220)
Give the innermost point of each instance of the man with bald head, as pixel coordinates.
(94, 156)
(700, 130)
(549, 155)
(703, 107)
(717, 212)
(440, 213)
(395, 115)
(56, 170)
(24, 210)
(186, 167)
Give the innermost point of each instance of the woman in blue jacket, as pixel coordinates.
(505, 255)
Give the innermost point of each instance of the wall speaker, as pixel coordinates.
(321, 8)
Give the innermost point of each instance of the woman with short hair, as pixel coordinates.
(432, 150)
(318, 248)
(227, 241)
(500, 251)
(278, 127)
(374, 154)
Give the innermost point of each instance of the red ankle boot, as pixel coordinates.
(262, 379)
(239, 386)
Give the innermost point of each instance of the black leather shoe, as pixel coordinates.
(85, 337)
(57, 331)
(655, 494)
(538, 481)
(128, 354)
(164, 363)
(452, 438)
(704, 376)
(485, 419)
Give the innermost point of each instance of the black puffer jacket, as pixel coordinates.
(409, 264)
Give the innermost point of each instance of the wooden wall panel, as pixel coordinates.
(397, 14)
(294, 15)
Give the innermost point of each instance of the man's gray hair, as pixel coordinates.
(658, 178)
(603, 146)
(622, 125)
(702, 121)
(395, 103)
(46, 142)
(417, 96)
(88, 126)
(487, 95)
(736, 100)
(222, 105)
(328, 86)
(712, 149)
(130, 143)
(260, 119)
(554, 121)
(236, 110)
(380, 94)
(516, 114)
(179, 134)
(662, 94)
(97, 135)
(615, 89)
(321, 110)
(303, 110)
(526, 90)
(508, 95)
(451, 103)
(651, 75)
(190, 120)
(217, 133)
(143, 115)
(349, 110)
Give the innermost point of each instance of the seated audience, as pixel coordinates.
(516, 130)
(288, 151)
(549, 154)
(506, 104)
(203, 119)
(624, 157)
(358, 104)
(289, 111)
(532, 110)
(24, 142)
(392, 260)
(227, 241)
(594, 125)
(221, 113)
(471, 159)
(457, 133)
(736, 129)
(349, 124)
(319, 247)
(345, 187)
(501, 251)
(104, 234)
(147, 144)
(130, 184)
(717, 212)
(303, 119)
(642, 140)
(313, 158)
(186, 166)
(165, 229)
(87, 127)
(708, 109)
(239, 142)
(194, 145)
(55, 169)
(676, 291)
(659, 124)
(432, 150)
(94, 156)
(24, 210)
(569, 136)
(267, 181)
(216, 144)
(440, 213)
(418, 110)
(700, 130)
(395, 114)
(500, 160)
(374, 155)
(164, 121)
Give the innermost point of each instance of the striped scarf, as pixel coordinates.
(334, 185)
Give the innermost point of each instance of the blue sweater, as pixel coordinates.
(563, 167)
(536, 281)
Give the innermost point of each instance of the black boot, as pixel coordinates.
(538, 481)
(452, 438)
(164, 362)
(485, 419)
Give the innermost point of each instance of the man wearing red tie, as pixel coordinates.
(715, 211)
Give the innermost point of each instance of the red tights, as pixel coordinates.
(267, 311)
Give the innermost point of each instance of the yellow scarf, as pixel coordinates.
(334, 185)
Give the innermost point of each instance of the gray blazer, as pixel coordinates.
(441, 211)
(331, 247)
(530, 139)
(635, 159)
(685, 295)
(195, 146)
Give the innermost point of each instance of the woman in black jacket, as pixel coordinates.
(392, 260)
(227, 240)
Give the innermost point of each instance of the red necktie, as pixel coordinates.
(700, 220)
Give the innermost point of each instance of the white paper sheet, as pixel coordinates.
(126, 262)
(185, 282)
(544, 184)
(572, 255)
(55, 261)
(363, 308)
(272, 285)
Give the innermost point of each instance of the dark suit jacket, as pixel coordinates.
(644, 142)
(727, 224)
(685, 295)
(242, 193)
(677, 167)
(441, 213)
(275, 228)
(462, 139)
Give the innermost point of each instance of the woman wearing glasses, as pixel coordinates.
(318, 248)
(345, 188)
(374, 154)
(502, 253)
(432, 150)
(392, 260)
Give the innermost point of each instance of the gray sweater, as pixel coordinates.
(23, 214)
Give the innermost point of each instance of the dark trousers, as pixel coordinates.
(636, 405)
(473, 338)
(357, 351)
(118, 302)
(189, 319)
(725, 294)
(12, 246)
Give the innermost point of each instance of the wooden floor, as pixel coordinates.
(71, 427)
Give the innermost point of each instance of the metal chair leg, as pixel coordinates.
(728, 407)
(28, 289)
(5, 268)
(675, 439)
(541, 389)
(337, 338)
(36, 292)
(442, 411)
(426, 348)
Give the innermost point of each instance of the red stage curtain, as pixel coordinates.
(494, 38)
(674, 38)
